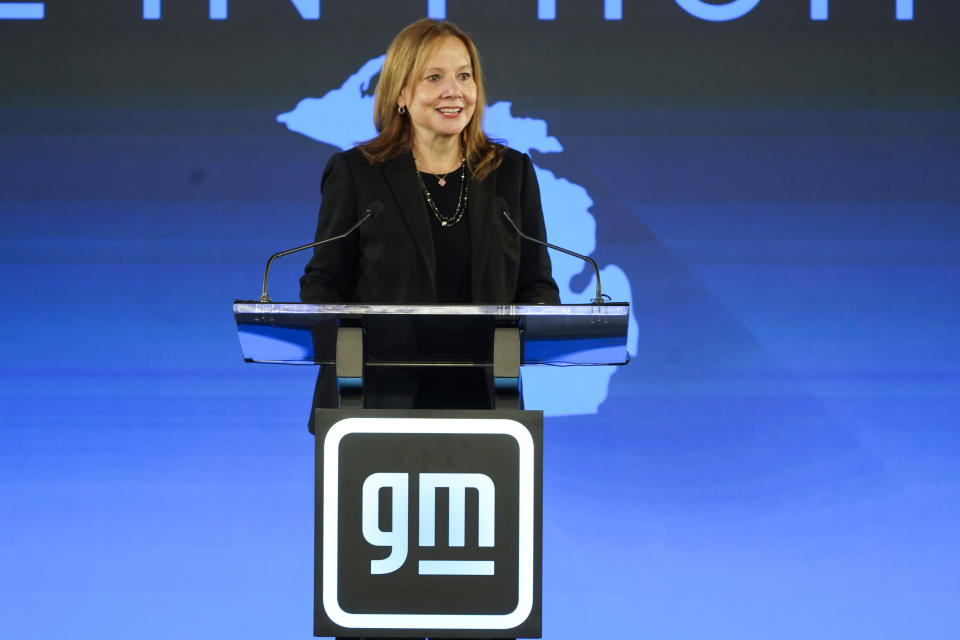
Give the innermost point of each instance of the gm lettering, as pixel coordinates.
(395, 537)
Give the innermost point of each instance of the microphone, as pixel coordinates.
(504, 209)
(372, 210)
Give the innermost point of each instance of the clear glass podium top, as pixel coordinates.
(424, 335)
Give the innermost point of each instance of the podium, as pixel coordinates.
(429, 522)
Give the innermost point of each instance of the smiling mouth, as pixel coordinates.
(450, 111)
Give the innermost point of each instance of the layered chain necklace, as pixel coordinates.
(447, 221)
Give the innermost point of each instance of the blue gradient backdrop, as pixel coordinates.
(780, 460)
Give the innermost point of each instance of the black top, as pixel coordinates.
(451, 244)
(450, 388)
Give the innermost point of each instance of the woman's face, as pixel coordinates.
(442, 98)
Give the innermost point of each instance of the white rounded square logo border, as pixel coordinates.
(455, 426)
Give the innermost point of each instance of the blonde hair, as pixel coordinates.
(406, 56)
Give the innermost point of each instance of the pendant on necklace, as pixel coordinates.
(442, 181)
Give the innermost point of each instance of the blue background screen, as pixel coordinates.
(772, 185)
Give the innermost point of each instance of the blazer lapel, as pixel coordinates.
(480, 213)
(401, 178)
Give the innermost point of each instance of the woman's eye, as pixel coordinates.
(433, 77)
(464, 76)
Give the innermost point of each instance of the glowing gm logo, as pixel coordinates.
(428, 522)
(395, 538)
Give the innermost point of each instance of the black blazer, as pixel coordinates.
(391, 259)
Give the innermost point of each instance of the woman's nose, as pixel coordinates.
(451, 88)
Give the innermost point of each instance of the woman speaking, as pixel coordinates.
(438, 238)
